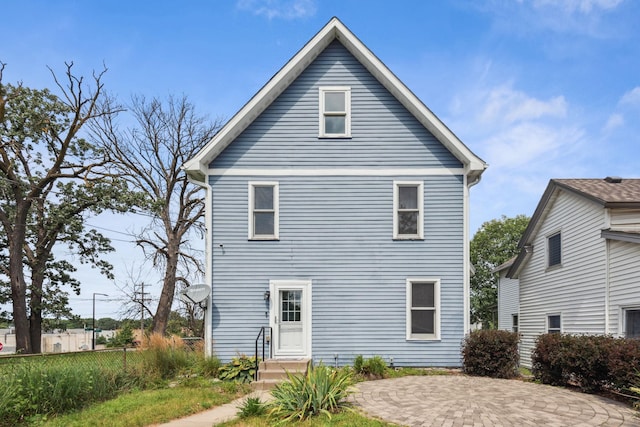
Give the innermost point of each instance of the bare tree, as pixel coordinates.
(50, 180)
(150, 154)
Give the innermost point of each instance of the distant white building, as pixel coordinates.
(58, 342)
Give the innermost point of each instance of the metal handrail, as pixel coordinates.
(263, 333)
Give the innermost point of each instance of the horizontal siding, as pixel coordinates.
(384, 133)
(624, 280)
(508, 301)
(576, 290)
(337, 231)
(625, 219)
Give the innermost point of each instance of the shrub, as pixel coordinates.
(322, 390)
(241, 369)
(491, 353)
(591, 362)
(251, 407)
(373, 368)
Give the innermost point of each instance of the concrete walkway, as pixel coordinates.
(474, 401)
(217, 415)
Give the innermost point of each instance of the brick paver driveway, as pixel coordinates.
(473, 401)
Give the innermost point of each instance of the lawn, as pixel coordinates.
(344, 419)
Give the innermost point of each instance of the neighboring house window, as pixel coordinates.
(408, 210)
(514, 322)
(632, 323)
(335, 111)
(423, 309)
(554, 249)
(263, 210)
(553, 324)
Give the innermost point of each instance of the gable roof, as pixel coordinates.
(197, 167)
(610, 192)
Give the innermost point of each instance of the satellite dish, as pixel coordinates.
(195, 294)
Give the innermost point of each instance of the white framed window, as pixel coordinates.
(554, 250)
(631, 322)
(264, 216)
(514, 323)
(335, 112)
(423, 309)
(554, 324)
(408, 209)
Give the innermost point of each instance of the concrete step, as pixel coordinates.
(272, 371)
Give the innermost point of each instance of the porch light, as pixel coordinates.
(267, 295)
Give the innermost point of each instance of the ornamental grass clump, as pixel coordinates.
(322, 390)
(167, 356)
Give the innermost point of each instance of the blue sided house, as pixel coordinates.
(337, 216)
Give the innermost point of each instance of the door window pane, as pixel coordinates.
(290, 306)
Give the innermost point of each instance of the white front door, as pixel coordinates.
(291, 318)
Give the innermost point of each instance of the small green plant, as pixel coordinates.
(209, 366)
(322, 390)
(241, 369)
(373, 368)
(252, 407)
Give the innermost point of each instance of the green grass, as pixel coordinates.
(143, 408)
(343, 419)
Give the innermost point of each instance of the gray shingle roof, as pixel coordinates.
(609, 194)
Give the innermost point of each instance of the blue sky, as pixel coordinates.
(539, 89)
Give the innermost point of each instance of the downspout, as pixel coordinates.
(467, 254)
(607, 249)
(208, 274)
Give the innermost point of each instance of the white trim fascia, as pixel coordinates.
(300, 61)
(436, 283)
(208, 263)
(336, 172)
(466, 263)
(276, 209)
(420, 185)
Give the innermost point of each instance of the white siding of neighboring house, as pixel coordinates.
(625, 219)
(576, 289)
(508, 298)
(624, 280)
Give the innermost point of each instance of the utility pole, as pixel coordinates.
(143, 297)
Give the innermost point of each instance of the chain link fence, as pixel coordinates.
(117, 359)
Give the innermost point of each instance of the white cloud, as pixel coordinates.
(615, 121)
(632, 97)
(283, 9)
(510, 106)
(582, 6)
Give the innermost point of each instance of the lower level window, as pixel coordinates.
(553, 324)
(423, 309)
(632, 323)
(514, 322)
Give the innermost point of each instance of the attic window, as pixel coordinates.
(335, 112)
(554, 250)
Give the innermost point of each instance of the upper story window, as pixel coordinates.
(335, 112)
(263, 210)
(554, 324)
(423, 309)
(407, 210)
(554, 249)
